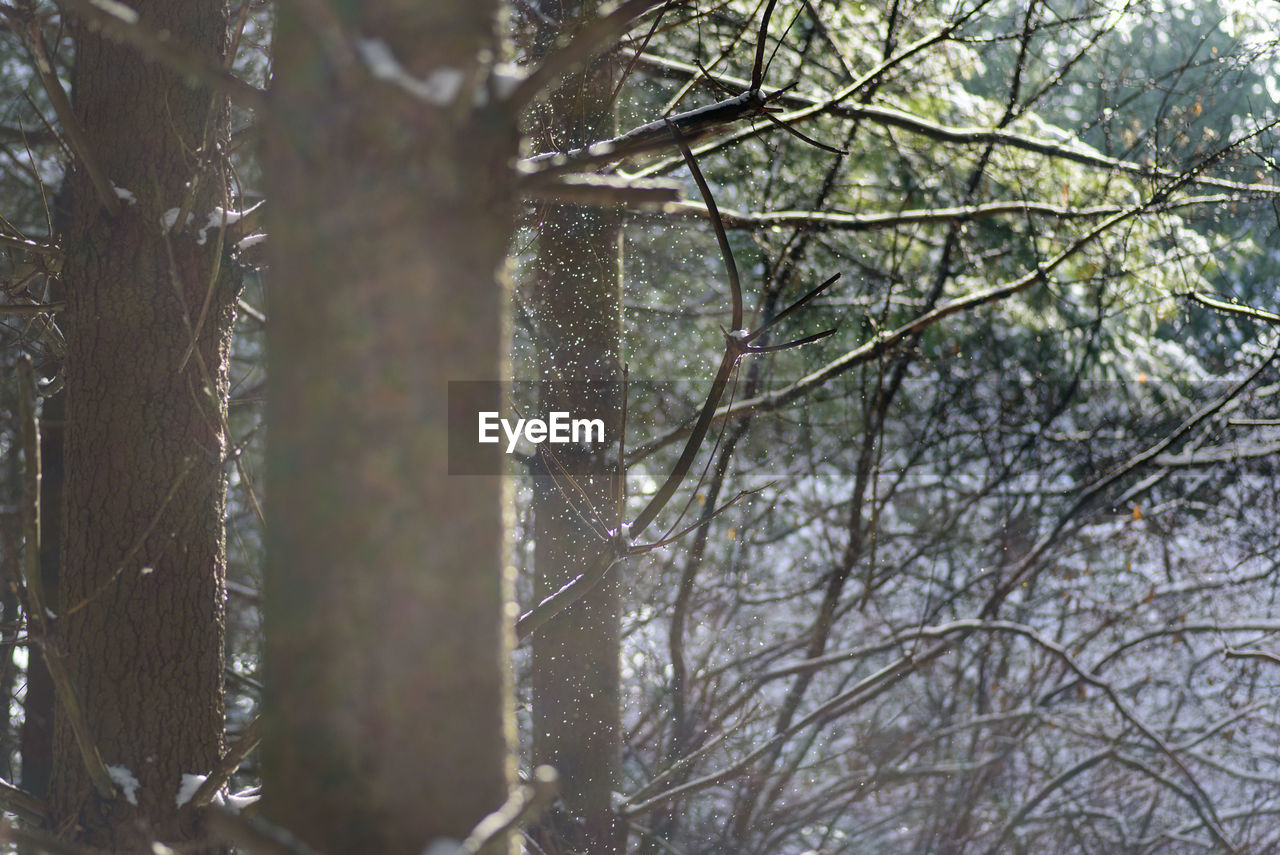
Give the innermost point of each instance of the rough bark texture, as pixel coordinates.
(388, 713)
(141, 589)
(577, 304)
(38, 702)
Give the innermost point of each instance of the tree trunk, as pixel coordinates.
(577, 304)
(388, 714)
(143, 556)
(38, 702)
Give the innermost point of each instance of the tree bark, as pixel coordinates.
(577, 304)
(388, 713)
(148, 323)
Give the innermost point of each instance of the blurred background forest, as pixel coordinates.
(990, 569)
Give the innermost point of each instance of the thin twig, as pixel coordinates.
(32, 308)
(1235, 308)
(757, 69)
(591, 40)
(574, 590)
(525, 804)
(70, 122)
(695, 124)
(839, 105)
(821, 221)
(722, 238)
(228, 764)
(1262, 655)
(30, 246)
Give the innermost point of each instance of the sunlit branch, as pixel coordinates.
(600, 190)
(808, 106)
(889, 339)
(652, 136)
(834, 222)
(524, 805)
(21, 803)
(1235, 308)
(823, 106)
(228, 764)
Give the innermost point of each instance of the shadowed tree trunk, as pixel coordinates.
(148, 323)
(388, 713)
(38, 702)
(577, 306)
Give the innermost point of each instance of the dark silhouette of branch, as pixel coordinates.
(693, 125)
(29, 26)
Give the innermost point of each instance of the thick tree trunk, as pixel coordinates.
(577, 305)
(386, 602)
(141, 591)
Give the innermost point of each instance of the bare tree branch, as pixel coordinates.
(66, 114)
(21, 803)
(831, 221)
(808, 106)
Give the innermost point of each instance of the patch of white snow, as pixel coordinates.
(170, 218)
(443, 846)
(128, 784)
(187, 787)
(218, 218)
(440, 87)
